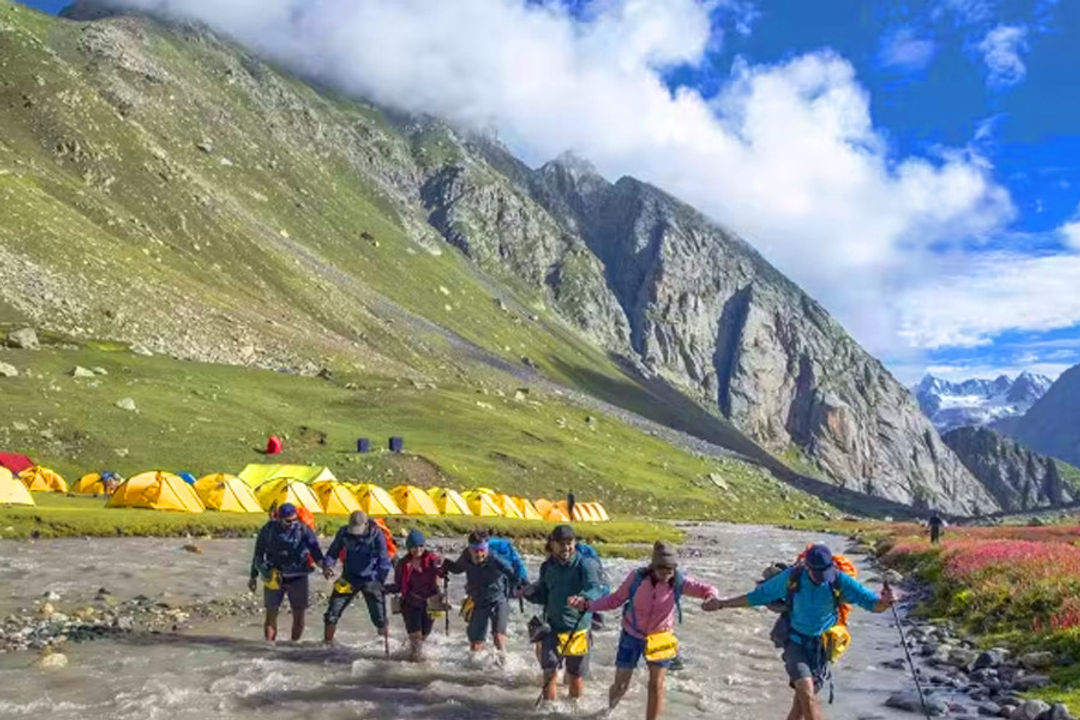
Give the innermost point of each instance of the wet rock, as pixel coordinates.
(962, 657)
(909, 700)
(1029, 710)
(24, 339)
(51, 595)
(892, 577)
(1031, 682)
(193, 548)
(989, 659)
(52, 661)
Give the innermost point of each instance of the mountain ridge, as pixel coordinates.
(978, 401)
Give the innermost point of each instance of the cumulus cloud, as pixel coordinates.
(1001, 49)
(903, 49)
(786, 154)
(1070, 232)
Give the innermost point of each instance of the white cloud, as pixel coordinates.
(1001, 49)
(1071, 232)
(785, 154)
(904, 49)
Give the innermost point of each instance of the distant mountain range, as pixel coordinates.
(1052, 425)
(978, 402)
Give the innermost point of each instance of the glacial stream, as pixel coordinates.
(222, 669)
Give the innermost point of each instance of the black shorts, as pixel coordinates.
(295, 588)
(576, 665)
(417, 620)
(497, 615)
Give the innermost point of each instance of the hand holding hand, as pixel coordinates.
(328, 572)
(713, 603)
(577, 602)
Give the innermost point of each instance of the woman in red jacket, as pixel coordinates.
(416, 577)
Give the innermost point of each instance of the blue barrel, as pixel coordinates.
(363, 445)
(397, 444)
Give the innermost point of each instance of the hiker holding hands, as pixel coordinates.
(361, 547)
(650, 599)
(487, 577)
(416, 578)
(812, 627)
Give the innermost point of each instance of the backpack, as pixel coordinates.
(504, 549)
(306, 516)
(639, 577)
(838, 637)
(391, 546)
(589, 552)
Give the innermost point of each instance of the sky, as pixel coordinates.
(915, 165)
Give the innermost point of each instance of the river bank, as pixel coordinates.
(217, 666)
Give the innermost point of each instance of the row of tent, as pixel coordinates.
(259, 488)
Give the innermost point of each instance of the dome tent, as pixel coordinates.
(449, 502)
(413, 501)
(374, 500)
(42, 479)
(12, 491)
(277, 492)
(156, 491)
(481, 504)
(226, 493)
(336, 497)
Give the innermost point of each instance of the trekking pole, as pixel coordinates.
(386, 628)
(446, 603)
(911, 663)
(562, 654)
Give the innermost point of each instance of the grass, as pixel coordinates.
(206, 418)
(59, 515)
(1009, 585)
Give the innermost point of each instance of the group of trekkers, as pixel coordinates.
(811, 598)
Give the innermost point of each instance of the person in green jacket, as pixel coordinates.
(564, 634)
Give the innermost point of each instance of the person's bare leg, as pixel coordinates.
(808, 699)
(656, 692)
(619, 686)
(576, 684)
(270, 625)
(476, 647)
(551, 685)
(297, 625)
(500, 643)
(328, 633)
(796, 709)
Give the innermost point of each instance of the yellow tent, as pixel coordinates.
(527, 509)
(92, 484)
(226, 493)
(336, 498)
(256, 475)
(156, 491)
(42, 479)
(481, 504)
(601, 512)
(543, 505)
(506, 504)
(277, 492)
(449, 502)
(582, 513)
(12, 491)
(374, 500)
(557, 515)
(413, 501)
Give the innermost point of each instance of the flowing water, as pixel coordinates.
(223, 669)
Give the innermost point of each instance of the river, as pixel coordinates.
(222, 669)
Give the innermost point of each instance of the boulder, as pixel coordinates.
(24, 339)
(989, 659)
(126, 404)
(1038, 660)
(52, 661)
(909, 700)
(80, 372)
(1029, 710)
(8, 371)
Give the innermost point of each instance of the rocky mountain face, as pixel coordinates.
(267, 222)
(1018, 478)
(1052, 425)
(978, 402)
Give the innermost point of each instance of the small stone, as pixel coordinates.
(24, 339)
(127, 404)
(99, 370)
(80, 372)
(193, 548)
(52, 661)
(51, 595)
(8, 371)
(141, 350)
(206, 146)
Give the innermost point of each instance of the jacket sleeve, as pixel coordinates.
(591, 586)
(854, 592)
(697, 589)
(259, 555)
(311, 542)
(770, 591)
(455, 567)
(616, 599)
(383, 565)
(334, 550)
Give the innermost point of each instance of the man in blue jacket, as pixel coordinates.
(286, 551)
(811, 592)
(361, 547)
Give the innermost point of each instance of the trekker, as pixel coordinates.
(416, 578)
(486, 579)
(361, 547)
(564, 635)
(570, 504)
(812, 611)
(286, 551)
(936, 524)
(650, 598)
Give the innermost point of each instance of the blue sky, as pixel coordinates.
(914, 165)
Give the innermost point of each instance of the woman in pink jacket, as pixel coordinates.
(650, 599)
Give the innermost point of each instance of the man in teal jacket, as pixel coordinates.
(811, 591)
(565, 574)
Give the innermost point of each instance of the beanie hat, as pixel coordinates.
(415, 539)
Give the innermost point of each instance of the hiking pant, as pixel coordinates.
(935, 536)
(340, 601)
(496, 614)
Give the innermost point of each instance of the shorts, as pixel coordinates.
(497, 615)
(376, 607)
(576, 665)
(631, 649)
(295, 588)
(800, 663)
(417, 620)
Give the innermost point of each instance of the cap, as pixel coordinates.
(561, 533)
(358, 522)
(819, 559)
(286, 510)
(415, 539)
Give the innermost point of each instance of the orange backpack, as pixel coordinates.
(391, 546)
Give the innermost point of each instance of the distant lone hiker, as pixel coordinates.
(936, 524)
(286, 552)
(365, 564)
(812, 592)
(570, 504)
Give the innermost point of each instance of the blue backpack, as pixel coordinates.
(587, 551)
(639, 577)
(506, 551)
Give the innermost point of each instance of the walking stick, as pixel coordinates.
(911, 663)
(386, 628)
(562, 654)
(446, 603)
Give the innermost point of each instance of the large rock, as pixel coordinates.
(8, 371)
(1018, 478)
(1029, 710)
(909, 700)
(25, 339)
